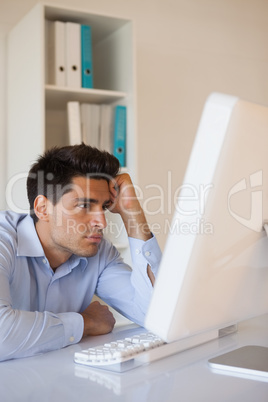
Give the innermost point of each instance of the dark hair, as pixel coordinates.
(55, 169)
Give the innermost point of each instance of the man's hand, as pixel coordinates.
(123, 195)
(98, 319)
(126, 203)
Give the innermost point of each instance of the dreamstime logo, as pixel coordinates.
(255, 221)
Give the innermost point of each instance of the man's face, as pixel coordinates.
(78, 219)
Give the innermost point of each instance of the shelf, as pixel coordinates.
(57, 97)
(40, 121)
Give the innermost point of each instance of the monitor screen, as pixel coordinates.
(214, 270)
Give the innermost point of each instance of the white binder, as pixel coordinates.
(74, 123)
(73, 54)
(106, 127)
(56, 64)
(90, 121)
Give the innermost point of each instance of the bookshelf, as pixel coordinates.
(36, 110)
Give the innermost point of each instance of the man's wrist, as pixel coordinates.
(137, 226)
(84, 321)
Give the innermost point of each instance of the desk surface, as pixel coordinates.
(185, 376)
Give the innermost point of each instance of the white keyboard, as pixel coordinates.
(136, 350)
(120, 351)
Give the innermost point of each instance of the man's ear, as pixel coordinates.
(41, 208)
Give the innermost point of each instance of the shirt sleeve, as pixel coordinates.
(126, 289)
(144, 253)
(26, 333)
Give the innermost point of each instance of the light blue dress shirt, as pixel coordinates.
(39, 307)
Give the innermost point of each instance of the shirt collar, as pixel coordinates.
(28, 241)
(76, 260)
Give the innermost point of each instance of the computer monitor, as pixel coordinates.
(214, 270)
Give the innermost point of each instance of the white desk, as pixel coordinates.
(182, 377)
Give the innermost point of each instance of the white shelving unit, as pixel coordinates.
(37, 116)
(37, 110)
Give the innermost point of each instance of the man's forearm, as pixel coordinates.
(26, 333)
(136, 224)
(137, 227)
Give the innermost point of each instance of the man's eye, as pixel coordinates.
(84, 206)
(107, 206)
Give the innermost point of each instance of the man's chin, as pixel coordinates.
(90, 251)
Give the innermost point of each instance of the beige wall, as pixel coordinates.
(185, 49)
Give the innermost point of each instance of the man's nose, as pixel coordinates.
(99, 220)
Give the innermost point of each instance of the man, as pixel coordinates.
(54, 260)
